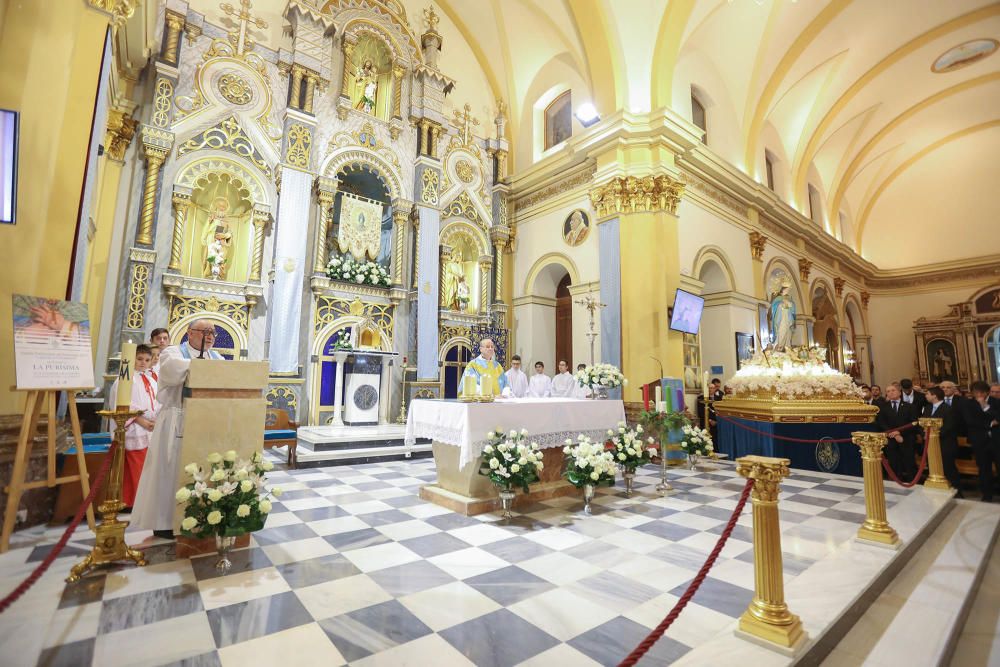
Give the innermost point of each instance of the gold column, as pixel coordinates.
(345, 88)
(416, 251)
(500, 236)
(259, 223)
(175, 23)
(445, 253)
(182, 201)
(154, 160)
(498, 274)
(501, 165)
(424, 138)
(876, 527)
(311, 81)
(325, 198)
(485, 262)
(435, 135)
(768, 617)
(400, 214)
(932, 440)
(397, 91)
(296, 94)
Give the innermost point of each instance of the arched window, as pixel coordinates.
(558, 120)
(815, 206)
(698, 116)
(769, 169)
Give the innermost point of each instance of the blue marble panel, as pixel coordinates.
(610, 262)
(487, 640)
(427, 293)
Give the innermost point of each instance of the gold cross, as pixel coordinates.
(466, 121)
(241, 37)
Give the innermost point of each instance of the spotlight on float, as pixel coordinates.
(587, 114)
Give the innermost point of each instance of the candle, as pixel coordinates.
(645, 397)
(704, 385)
(125, 371)
(468, 386)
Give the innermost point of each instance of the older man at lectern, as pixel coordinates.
(155, 502)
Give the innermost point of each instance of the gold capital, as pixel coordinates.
(757, 244)
(637, 194)
(805, 267)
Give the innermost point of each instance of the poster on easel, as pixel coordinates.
(52, 347)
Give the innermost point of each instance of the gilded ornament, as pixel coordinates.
(805, 268)
(379, 315)
(865, 298)
(185, 306)
(465, 122)
(634, 194)
(757, 244)
(161, 102)
(121, 130)
(235, 89)
(429, 187)
(838, 285)
(463, 207)
(299, 146)
(229, 136)
(138, 288)
(464, 171)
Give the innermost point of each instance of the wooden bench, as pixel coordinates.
(280, 431)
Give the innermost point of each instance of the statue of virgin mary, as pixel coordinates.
(781, 315)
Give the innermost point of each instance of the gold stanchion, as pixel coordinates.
(767, 618)
(111, 546)
(401, 419)
(932, 440)
(876, 528)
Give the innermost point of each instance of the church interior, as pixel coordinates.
(350, 218)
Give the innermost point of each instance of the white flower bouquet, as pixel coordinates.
(349, 270)
(696, 441)
(510, 461)
(801, 373)
(588, 462)
(227, 498)
(629, 448)
(600, 375)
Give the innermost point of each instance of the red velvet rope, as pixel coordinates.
(61, 544)
(692, 588)
(786, 438)
(916, 478)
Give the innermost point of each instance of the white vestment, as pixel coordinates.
(540, 386)
(518, 382)
(564, 385)
(154, 500)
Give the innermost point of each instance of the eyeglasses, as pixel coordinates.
(205, 332)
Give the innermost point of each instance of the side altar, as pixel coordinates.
(458, 431)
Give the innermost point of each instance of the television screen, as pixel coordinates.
(687, 312)
(8, 165)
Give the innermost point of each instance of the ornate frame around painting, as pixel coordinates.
(745, 348)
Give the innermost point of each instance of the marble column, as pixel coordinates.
(427, 293)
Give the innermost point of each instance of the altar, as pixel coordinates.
(458, 432)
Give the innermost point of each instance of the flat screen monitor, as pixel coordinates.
(8, 165)
(687, 312)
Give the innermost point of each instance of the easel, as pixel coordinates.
(36, 400)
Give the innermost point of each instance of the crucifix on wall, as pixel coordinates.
(592, 305)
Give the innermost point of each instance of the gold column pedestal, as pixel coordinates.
(932, 431)
(876, 528)
(110, 545)
(767, 618)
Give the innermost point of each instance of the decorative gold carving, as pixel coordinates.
(865, 298)
(161, 102)
(185, 306)
(345, 89)
(326, 192)
(311, 81)
(757, 244)
(229, 136)
(121, 129)
(120, 10)
(805, 268)
(431, 19)
(429, 187)
(281, 395)
(298, 72)
(876, 527)
(485, 263)
(815, 410)
(260, 218)
(137, 289)
(299, 146)
(465, 122)
(175, 24)
(235, 88)
(634, 194)
(767, 616)
(154, 160)
(181, 202)
(400, 214)
(374, 315)
(559, 187)
(240, 37)
(397, 91)
(463, 207)
(464, 171)
(838, 285)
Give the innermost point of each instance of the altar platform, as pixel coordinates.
(341, 445)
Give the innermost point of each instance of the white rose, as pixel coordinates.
(488, 449)
(494, 464)
(266, 466)
(243, 511)
(522, 460)
(513, 433)
(191, 469)
(215, 457)
(622, 457)
(540, 465)
(276, 492)
(264, 506)
(230, 455)
(595, 476)
(524, 431)
(491, 435)
(183, 494)
(218, 475)
(246, 486)
(215, 495)
(215, 518)
(567, 449)
(241, 474)
(515, 468)
(189, 523)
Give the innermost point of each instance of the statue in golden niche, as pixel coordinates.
(366, 79)
(453, 279)
(217, 238)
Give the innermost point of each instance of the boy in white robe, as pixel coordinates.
(564, 385)
(540, 384)
(139, 429)
(516, 379)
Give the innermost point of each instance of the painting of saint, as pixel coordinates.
(576, 228)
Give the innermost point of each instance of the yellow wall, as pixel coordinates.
(49, 68)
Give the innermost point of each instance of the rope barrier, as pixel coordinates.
(692, 588)
(916, 478)
(806, 441)
(61, 544)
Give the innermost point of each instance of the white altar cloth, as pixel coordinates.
(549, 421)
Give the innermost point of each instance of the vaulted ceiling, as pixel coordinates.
(840, 93)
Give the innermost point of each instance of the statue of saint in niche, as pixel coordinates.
(781, 317)
(218, 241)
(454, 275)
(366, 79)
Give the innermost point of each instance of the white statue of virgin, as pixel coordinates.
(781, 314)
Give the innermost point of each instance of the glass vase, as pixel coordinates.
(506, 502)
(692, 461)
(588, 496)
(629, 476)
(600, 393)
(224, 545)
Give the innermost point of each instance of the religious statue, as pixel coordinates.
(366, 78)
(452, 274)
(943, 366)
(217, 239)
(781, 317)
(463, 294)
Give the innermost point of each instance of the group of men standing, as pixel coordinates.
(976, 417)
(540, 385)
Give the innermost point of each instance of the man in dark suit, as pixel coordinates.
(912, 396)
(716, 388)
(954, 401)
(982, 422)
(894, 414)
(877, 397)
(936, 407)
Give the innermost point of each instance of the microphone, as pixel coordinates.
(202, 355)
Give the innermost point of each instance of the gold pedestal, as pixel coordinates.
(876, 528)
(767, 618)
(110, 546)
(935, 463)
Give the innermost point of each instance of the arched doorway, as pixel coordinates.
(564, 324)
(456, 358)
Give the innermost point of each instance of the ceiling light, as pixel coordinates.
(587, 114)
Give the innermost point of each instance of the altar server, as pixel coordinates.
(516, 379)
(155, 502)
(485, 368)
(159, 339)
(139, 428)
(582, 392)
(540, 384)
(564, 384)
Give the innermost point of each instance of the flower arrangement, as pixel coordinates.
(600, 375)
(350, 270)
(227, 498)
(696, 441)
(588, 462)
(661, 425)
(510, 461)
(798, 373)
(629, 448)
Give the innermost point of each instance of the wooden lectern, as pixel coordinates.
(224, 408)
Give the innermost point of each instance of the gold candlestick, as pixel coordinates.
(876, 527)
(111, 546)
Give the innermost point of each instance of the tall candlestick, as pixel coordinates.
(704, 385)
(125, 371)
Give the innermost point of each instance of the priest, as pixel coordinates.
(487, 373)
(155, 502)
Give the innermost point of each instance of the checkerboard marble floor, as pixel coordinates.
(353, 568)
